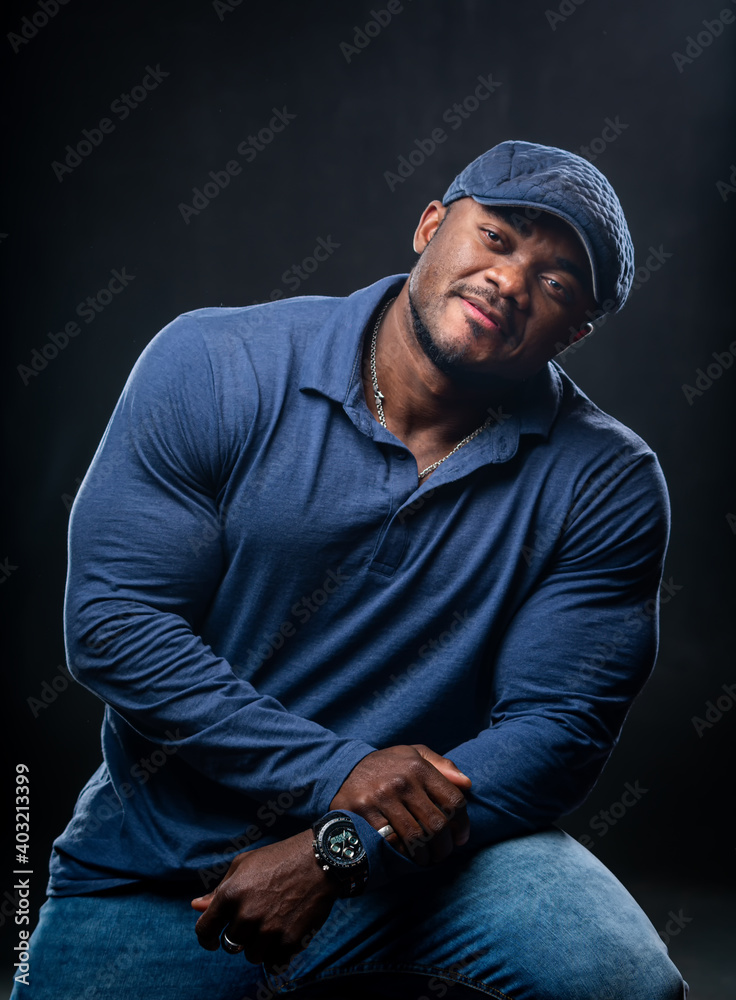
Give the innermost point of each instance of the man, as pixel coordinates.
(368, 586)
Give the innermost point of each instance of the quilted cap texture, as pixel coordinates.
(527, 175)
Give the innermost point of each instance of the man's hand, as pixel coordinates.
(416, 791)
(273, 900)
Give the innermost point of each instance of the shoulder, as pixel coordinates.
(233, 354)
(579, 418)
(269, 323)
(602, 456)
(258, 330)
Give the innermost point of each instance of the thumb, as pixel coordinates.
(444, 765)
(202, 902)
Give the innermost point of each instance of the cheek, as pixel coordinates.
(427, 278)
(442, 262)
(547, 334)
(552, 322)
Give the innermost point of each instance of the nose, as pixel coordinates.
(510, 278)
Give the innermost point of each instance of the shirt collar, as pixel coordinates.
(328, 367)
(331, 367)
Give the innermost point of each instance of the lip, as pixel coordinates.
(483, 313)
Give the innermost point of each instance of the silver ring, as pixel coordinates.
(386, 830)
(230, 946)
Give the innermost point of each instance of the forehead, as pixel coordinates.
(528, 220)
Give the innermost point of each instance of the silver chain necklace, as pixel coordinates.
(379, 397)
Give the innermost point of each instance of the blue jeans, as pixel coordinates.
(534, 918)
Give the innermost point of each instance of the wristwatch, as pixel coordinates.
(338, 850)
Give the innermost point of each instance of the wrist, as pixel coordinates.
(339, 853)
(321, 882)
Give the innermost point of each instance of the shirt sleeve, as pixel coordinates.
(137, 591)
(574, 656)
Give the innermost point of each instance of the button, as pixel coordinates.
(402, 456)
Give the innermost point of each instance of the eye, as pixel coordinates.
(558, 290)
(493, 237)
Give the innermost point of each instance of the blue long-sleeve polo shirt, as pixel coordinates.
(262, 594)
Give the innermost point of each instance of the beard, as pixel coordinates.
(449, 362)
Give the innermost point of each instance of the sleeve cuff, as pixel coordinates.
(341, 764)
(384, 863)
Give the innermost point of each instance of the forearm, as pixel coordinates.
(171, 687)
(141, 584)
(526, 776)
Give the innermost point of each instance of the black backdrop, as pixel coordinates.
(646, 88)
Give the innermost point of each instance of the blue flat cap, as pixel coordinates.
(527, 175)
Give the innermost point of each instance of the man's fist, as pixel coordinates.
(416, 791)
(272, 900)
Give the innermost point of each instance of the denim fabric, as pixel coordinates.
(533, 918)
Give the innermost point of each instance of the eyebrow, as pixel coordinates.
(572, 268)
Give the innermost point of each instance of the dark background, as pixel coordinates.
(323, 176)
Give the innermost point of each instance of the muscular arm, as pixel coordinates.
(139, 585)
(137, 591)
(274, 899)
(573, 658)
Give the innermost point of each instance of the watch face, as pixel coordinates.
(342, 845)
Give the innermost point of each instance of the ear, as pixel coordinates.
(432, 215)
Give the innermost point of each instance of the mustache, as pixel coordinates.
(493, 300)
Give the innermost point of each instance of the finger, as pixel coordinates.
(459, 825)
(243, 934)
(386, 830)
(440, 845)
(276, 957)
(202, 902)
(412, 836)
(444, 765)
(436, 823)
(422, 812)
(443, 794)
(213, 921)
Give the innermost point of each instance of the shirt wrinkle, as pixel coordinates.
(320, 603)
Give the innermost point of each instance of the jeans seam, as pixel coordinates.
(365, 967)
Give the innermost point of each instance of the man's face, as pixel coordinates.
(492, 296)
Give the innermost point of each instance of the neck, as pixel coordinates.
(420, 400)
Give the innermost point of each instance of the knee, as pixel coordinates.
(644, 972)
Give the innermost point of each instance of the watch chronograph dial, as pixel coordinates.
(343, 845)
(339, 850)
